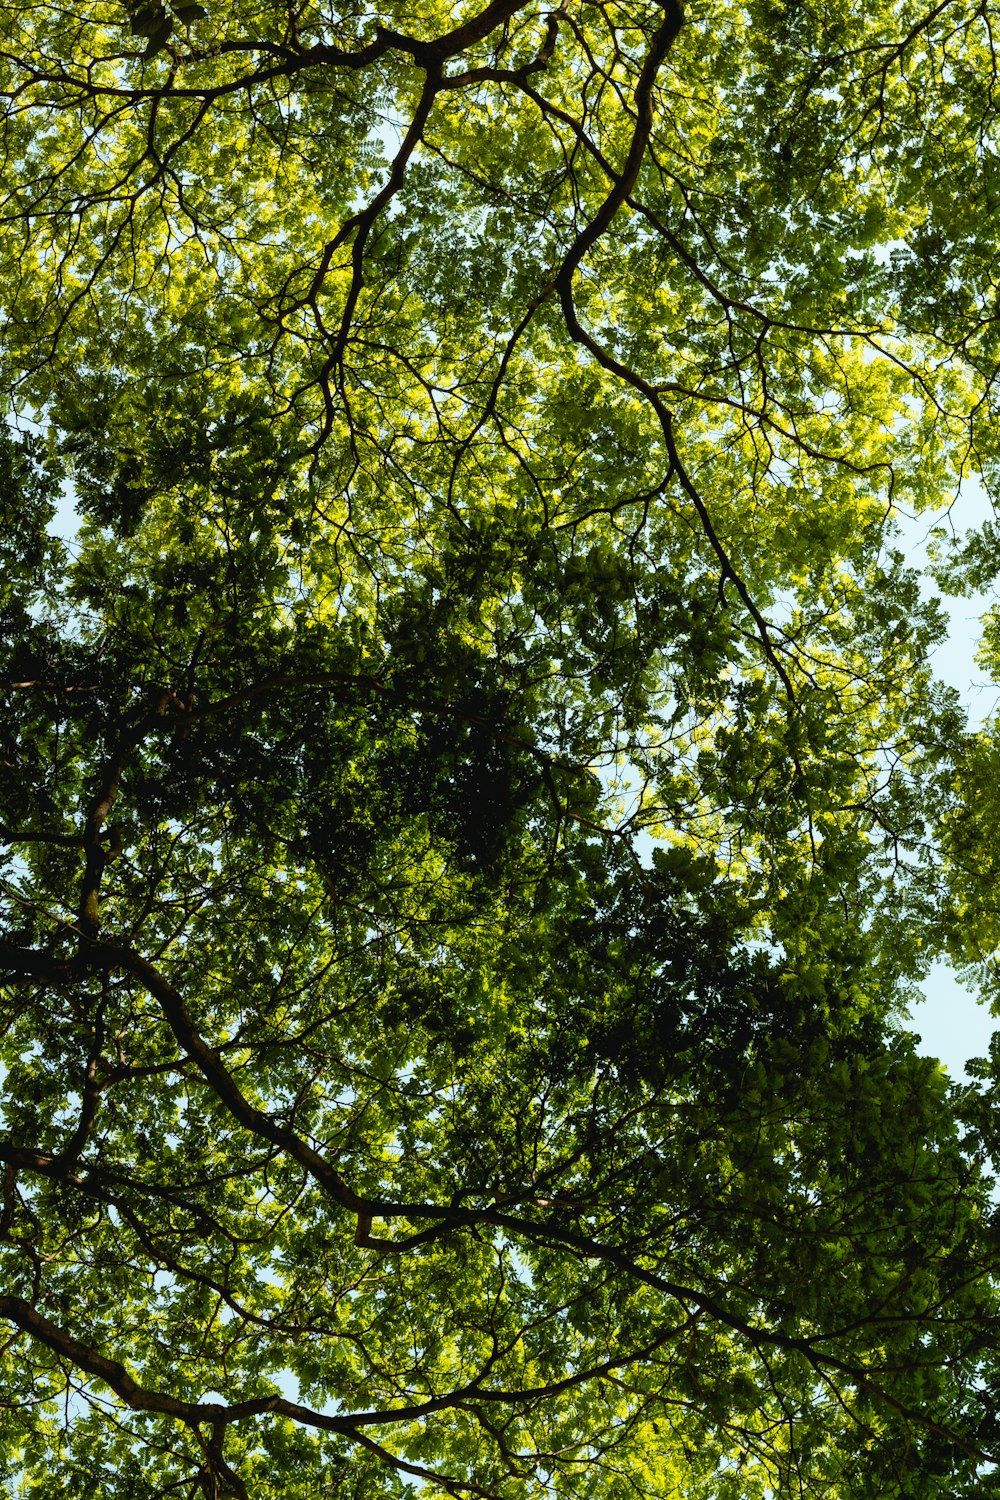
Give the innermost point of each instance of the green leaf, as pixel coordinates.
(145, 22)
(158, 37)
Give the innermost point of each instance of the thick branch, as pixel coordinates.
(447, 1219)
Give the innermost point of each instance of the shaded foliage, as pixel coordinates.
(476, 795)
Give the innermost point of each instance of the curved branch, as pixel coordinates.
(446, 1220)
(616, 199)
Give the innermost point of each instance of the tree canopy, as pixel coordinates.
(476, 798)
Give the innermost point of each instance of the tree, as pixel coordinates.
(472, 779)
